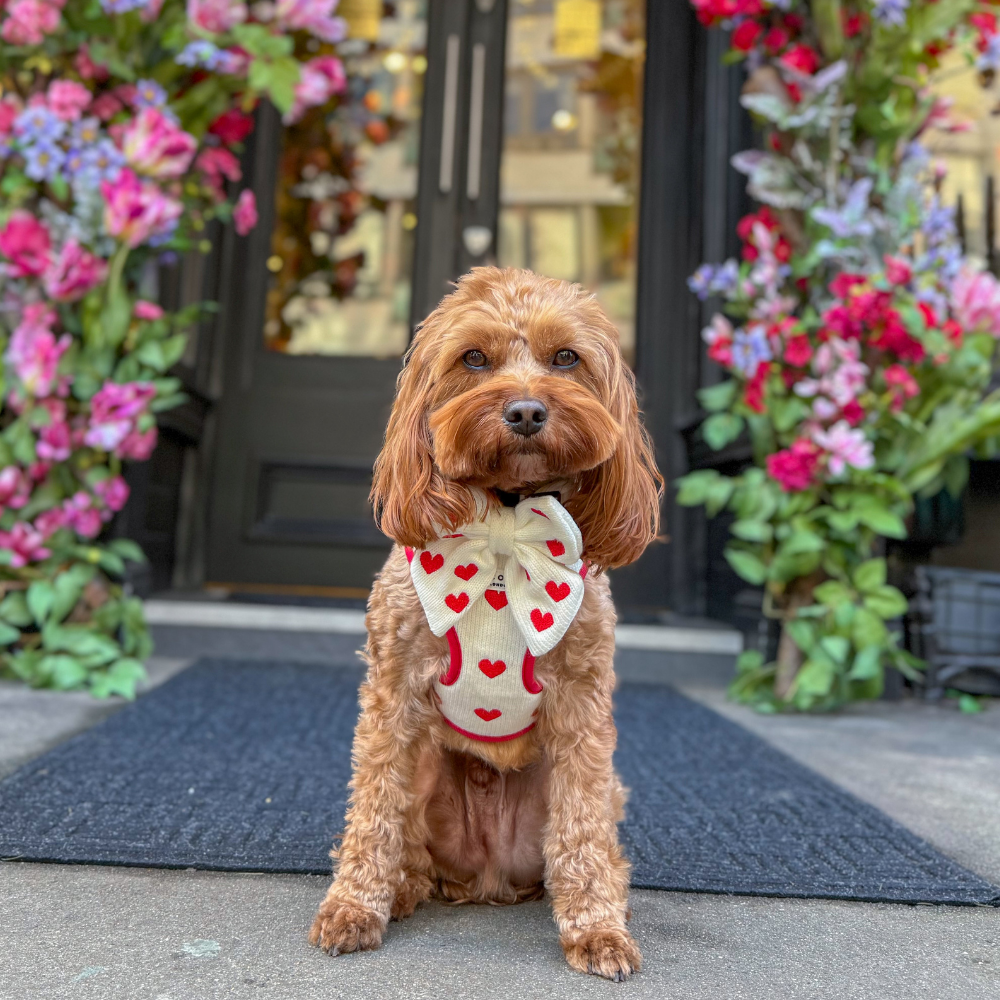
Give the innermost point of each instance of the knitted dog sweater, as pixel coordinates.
(503, 589)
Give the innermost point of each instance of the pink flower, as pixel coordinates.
(319, 80)
(795, 467)
(897, 270)
(50, 521)
(845, 446)
(87, 68)
(15, 487)
(67, 99)
(73, 273)
(33, 350)
(245, 212)
(136, 210)
(975, 300)
(113, 410)
(29, 21)
(106, 106)
(216, 16)
(114, 492)
(9, 110)
(146, 310)
(54, 442)
(314, 16)
(138, 445)
(81, 515)
(218, 165)
(24, 543)
(25, 242)
(155, 146)
(902, 385)
(719, 337)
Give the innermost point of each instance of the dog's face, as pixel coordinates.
(512, 382)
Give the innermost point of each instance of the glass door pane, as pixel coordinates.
(342, 246)
(569, 175)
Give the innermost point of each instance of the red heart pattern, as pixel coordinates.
(557, 591)
(555, 547)
(535, 510)
(496, 599)
(431, 563)
(541, 621)
(488, 714)
(459, 603)
(492, 668)
(466, 572)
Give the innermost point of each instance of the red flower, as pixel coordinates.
(953, 331)
(853, 413)
(798, 351)
(232, 126)
(744, 38)
(776, 39)
(901, 384)
(853, 24)
(754, 394)
(801, 58)
(930, 317)
(745, 227)
(893, 337)
(841, 285)
(897, 271)
(795, 467)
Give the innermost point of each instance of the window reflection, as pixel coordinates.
(341, 251)
(570, 168)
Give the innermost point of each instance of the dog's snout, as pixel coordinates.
(525, 416)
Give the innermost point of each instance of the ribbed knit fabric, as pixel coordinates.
(504, 589)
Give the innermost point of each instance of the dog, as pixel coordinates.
(513, 387)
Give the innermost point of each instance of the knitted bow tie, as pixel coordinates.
(528, 556)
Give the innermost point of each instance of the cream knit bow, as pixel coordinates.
(531, 553)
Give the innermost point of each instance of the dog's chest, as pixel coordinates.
(489, 691)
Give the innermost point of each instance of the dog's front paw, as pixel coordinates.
(602, 951)
(342, 927)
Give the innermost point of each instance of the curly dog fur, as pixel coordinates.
(432, 812)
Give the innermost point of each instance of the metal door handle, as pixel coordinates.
(449, 115)
(475, 163)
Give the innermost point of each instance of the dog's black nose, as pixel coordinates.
(525, 416)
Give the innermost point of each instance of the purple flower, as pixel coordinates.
(990, 59)
(75, 162)
(86, 132)
(122, 6)
(39, 124)
(938, 224)
(103, 161)
(750, 348)
(43, 160)
(891, 12)
(149, 94)
(714, 279)
(200, 53)
(851, 220)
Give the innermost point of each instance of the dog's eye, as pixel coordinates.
(565, 358)
(475, 359)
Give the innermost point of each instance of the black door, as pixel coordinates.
(475, 131)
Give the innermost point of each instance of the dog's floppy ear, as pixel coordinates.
(618, 506)
(408, 495)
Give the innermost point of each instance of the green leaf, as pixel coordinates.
(752, 531)
(886, 602)
(842, 520)
(693, 488)
(749, 659)
(41, 597)
(8, 634)
(259, 41)
(870, 575)
(868, 629)
(14, 609)
(867, 664)
(815, 678)
(720, 429)
(120, 678)
(882, 521)
(81, 641)
(803, 634)
(836, 647)
(969, 704)
(802, 541)
(718, 397)
(746, 565)
(66, 672)
(832, 593)
(127, 549)
(115, 317)
(719, 492)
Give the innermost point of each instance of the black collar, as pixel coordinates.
(513, 499)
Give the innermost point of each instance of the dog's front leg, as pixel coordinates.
(585, 871)
(354, 914)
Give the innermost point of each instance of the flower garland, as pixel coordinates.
(121, 125)
(858, 339)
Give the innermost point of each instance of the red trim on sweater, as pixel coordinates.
(455, 663)
(485, 739)
(528, 674)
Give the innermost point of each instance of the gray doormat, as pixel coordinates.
(243, 766)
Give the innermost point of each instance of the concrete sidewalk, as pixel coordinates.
(82, 932)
